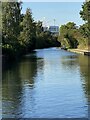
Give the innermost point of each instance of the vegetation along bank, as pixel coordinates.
(21, 33)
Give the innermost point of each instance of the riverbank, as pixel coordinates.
(80, 51)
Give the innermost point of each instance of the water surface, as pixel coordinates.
(48, 83)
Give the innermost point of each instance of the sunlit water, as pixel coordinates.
(48, 83)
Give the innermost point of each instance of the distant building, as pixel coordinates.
(54, 30)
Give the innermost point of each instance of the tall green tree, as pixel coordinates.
(11, 13)
(39, 28)
(85, 15)
(10, 24)
(28, 34)
(85, 12)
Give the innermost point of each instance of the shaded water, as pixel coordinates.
(49, 83)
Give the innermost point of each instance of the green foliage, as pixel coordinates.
(20, 34)
(74, 37)
(67, 35)
(10, 26)
(84, 30)
(85, 12)
(28, 34)
(46, 39)
(39, 28)
(83, 35)
(85, 15)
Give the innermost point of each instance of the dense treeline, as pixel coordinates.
(73, 36)
(20, 33)
(45, 39)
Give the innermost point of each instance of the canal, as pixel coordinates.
(48, 83)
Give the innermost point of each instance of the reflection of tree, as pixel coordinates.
(70, 61)
(27, 70)
(84, 63)
(13, 82)
(11, 89)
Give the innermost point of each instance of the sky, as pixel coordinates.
(55, 13)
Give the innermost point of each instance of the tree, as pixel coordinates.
(71, 25)
(20, 34)
(85, 15)
(84, 30)
(85, 12)
(67, 35)
(39, 28)
(10, 25)
(28, 34)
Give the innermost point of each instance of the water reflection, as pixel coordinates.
(83, 63)
(44, 84)
(70, 62)
(15, 81)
